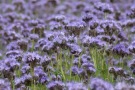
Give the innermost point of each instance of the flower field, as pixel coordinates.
(67, 44)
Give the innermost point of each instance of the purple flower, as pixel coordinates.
(75, 27)
(32, 58)
(12, 46)
(132, 47)
(131, 12)
(58, 18)
(6, 71)
(117, 71)
(110, 26)
(104, 7)
(39, 75)
(18, 82)
(99, 84)
(48, 46)
(88, 17)
(89, 68)
(75, 49)
(122, 36)
(121, 49)
(22, 87)
(93, 42)
(5, 84)
(93, 24)
(132, 30)
(45, 61)
(55, 85)
(60, 39)
(13, 53)
(22, 43)
(85, 58)
(128, 23)
(39, 29)
(12, 63)
(33, 22)
(26, 79)
(8, 8)
(25, 69)
(124, 86)
(75, 70)
(76, 61)
(75, 86)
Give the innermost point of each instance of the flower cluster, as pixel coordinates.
(67, 44)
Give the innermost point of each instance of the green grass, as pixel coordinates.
(100, 64)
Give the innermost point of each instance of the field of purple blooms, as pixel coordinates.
(67, 44)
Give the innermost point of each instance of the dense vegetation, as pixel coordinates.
(67, 44)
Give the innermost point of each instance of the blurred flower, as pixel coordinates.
(75, 27)
(58, 18)
(32, 58)
(75, 86)
(117, 71)
(93, 24)
(34, 37)
(45, 61)
(75, 49)
(93, 42)
(22, 43)
(132, 47)
(55, 85)
(12, 46)
(105, 7)
(26, 79)
(5, 84)
(39, 75)
(121, 49)
(75, 70)
(88, 68)
(22, 87)
(88, 17)
(124, 86)
(99, 84)
(13, 53)
(25, 69)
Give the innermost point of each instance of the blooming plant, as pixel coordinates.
(67, 44)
